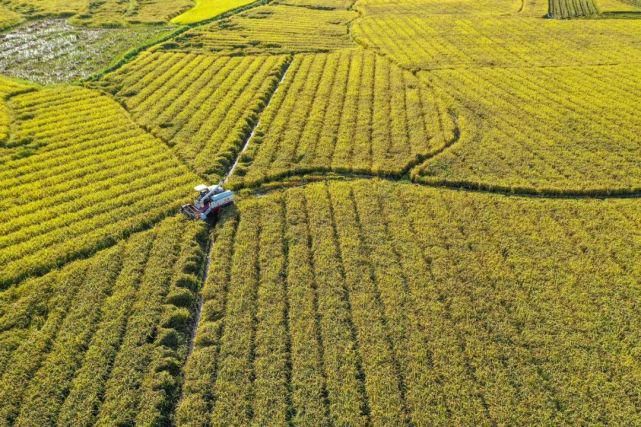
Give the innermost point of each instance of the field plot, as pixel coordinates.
(270, 29)
(442, 7)
(207, 9)
(318, 4)
(202, 106)
(52, 50)
(77, 175)
(559, 130)
(349, 111)
(101, 12)
(435, 42)
(101, 341)
(345, 303)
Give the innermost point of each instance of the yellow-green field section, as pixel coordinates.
(104, 12)
(101, 340)
(77, 175)
(207, 9)
(203, 107)
(271, 29)
(349, 112)
(375, 302)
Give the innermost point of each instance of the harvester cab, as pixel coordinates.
(210, 201)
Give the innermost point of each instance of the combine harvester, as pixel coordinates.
(210, 201)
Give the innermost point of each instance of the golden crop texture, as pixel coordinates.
(348, 111)
(77, 175)
(270, 29)
(100, 341)
(551, 130)
(343, 303)
(203, 107)
(102, 12)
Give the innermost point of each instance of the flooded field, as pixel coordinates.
(54, 51)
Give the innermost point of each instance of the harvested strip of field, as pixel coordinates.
(101, 341)
(204, 107)
(318, 4)
(207, 9)
(52, 50)
(350, 111)
(270, 29)
(85, 177)
(344, 303)
(440, 42)
(564, 9)
(580, 134)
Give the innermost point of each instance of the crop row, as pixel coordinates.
(345, 111)
(579, 135)
(424, 42)
(204, 107)
(318, 4)
(92, 176)
(564, 9)
(373, 302)
(101, 341)
(274, 29)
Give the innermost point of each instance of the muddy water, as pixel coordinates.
(54, 51)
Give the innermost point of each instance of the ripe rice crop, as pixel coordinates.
(8, 17)
(465, 41)
(579, 134)
(203, 106)
(373, 302)
(85, 177)
(349, 111)
(101, 12)
(207, 9)
(101, 341)
(270, 29)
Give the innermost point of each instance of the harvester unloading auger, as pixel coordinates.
(210, 201)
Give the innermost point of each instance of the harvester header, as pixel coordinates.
(210, 201)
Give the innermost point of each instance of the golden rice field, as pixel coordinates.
(202, 106)
(78, 175)
(370, 302)
(347, 112)
(274, 29)
(436, 216)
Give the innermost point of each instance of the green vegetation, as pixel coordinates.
(270, 29)
(8, 18)
(53, 51)
(344, 303)
(101, 341)
(207, 9)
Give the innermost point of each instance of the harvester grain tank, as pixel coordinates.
(210, 201)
